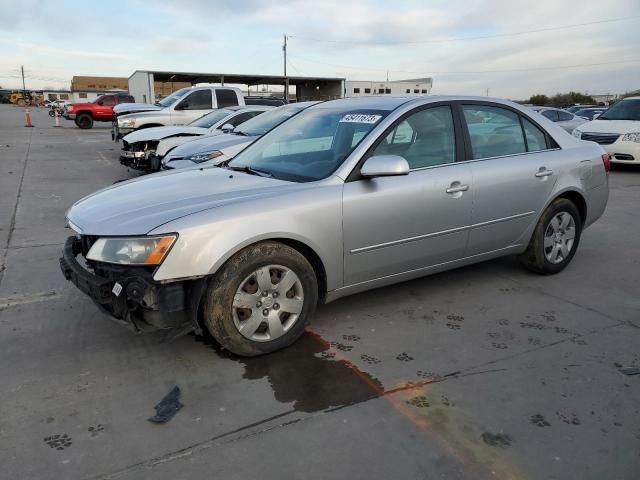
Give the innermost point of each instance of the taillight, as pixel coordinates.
(606, 160)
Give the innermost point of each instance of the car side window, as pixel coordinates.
(564, 116)
(536, 139)
(551, 115)
(226, 98)
(108, 100)
(425, 138)
(241, 118)
(198, 100)
(494, 131)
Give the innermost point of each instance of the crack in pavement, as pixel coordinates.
(16, 300)
(12, 223)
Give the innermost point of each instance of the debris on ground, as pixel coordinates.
(168, 406)
(629, 370)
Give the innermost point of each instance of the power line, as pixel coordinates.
(424, 72)
(462, 39)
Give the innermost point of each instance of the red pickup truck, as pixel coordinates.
(99, 110)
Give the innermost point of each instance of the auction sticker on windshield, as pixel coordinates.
(360, 118)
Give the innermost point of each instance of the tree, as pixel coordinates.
(539, 99)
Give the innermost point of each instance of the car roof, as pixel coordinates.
(236, 108)
(391, 102)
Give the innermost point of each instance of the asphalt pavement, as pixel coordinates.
(485, 372)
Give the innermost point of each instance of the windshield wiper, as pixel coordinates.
(250, 170)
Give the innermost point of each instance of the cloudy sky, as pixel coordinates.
(466, 46)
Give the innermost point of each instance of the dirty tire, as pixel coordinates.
(218, 301)
(534, 257)
(21, 103)
(84, 121)
(52, 113)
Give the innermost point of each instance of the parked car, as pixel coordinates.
(575, 108)
(348, 195)
(144, 149)
(617, 130)
(221, 148)
(260, 100)
(181, 107)
(568, 121)
(590, 113)
(99, 110)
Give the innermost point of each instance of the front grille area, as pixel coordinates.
(601, 138)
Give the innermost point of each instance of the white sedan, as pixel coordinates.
(143, 149)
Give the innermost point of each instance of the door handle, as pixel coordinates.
(543, 172)
(457, 187)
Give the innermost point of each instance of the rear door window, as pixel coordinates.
(551, 115)
(493, 131)
(226, 98)
(564, 116)
(536, 139)
(242, 117)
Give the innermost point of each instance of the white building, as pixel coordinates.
(415, 86)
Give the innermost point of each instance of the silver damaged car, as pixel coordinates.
(346, 196)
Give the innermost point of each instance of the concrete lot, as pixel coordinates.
(482, 372)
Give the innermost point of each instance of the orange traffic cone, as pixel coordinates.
(28, 115)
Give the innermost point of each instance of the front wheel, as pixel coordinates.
(261, 299)
(555, 238)
(84, 121)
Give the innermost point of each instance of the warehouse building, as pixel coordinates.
(143, 85)
(416, 86)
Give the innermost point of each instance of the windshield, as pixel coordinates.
(311, 145)
(624, 110)
(263, 123)
(166, 101)
(210, 119)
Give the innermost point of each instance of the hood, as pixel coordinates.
(158, 133)
(209, 143)
(140, 205)
(123, 108)
(610, 126)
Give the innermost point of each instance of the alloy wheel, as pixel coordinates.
(559, 237)
(268, 303)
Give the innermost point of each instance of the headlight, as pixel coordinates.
(70, 108)
(132, 251)
(631, 137)
(127, 123)
(577, 133)
(203, 157)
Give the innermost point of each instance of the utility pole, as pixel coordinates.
(487, 92)
(286, 79)
(24, 88)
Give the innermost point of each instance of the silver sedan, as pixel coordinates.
(348, 195)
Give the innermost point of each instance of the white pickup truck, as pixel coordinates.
(181, 107)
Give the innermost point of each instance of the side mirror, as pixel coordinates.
(182, 106)
(100, 102)
(227, 127)
(384, 166)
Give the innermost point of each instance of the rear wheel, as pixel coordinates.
(261, 299)
(84, 121)
(555, 238)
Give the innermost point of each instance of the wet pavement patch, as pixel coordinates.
(308, 374)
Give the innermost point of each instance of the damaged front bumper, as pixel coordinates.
(131, 296)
